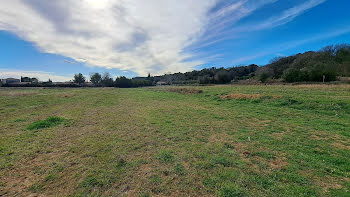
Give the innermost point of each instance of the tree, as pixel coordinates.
(295, 75)
(222, 77)
(96, 78)
(123, 82)
(107, 80)
(79, 79)
(320, 70)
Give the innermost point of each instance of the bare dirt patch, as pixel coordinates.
(278, 163)
(325, 183)
(332, 183)
(67, 95)
(341, 146)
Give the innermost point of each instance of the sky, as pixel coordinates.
(56, 39)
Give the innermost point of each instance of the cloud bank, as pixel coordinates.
(42, 76)
(137, 35)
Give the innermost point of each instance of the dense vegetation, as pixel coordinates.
(317, 66)
(327, 63)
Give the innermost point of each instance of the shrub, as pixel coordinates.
(222, 77)
(295, 75)
(263, 77)
(317, 73)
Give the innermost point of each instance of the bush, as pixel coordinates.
(264, 77)
(222, 77)
(317, 73)
(295, 75)
(314, 74)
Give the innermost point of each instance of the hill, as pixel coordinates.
(328, 63)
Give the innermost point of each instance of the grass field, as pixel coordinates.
(170, 141)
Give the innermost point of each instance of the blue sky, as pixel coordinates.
(55, 39)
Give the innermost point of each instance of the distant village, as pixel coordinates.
(124, 82)
(29, 82)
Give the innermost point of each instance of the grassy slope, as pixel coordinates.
(153, 142)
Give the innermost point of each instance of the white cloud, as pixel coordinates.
(220, 22)
(223, 28)
(288, 15)
(292, 44)
(42, 76)
(132, 35)
(138, 35)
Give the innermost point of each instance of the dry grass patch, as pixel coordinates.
(248, 96)
(241, 96)
(279, 163)
(67, 95)
(18, 94)
(185, 90)
(324, 86)
(341, 146)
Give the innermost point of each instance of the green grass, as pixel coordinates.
(49, 122)
(165, 156)
(168, 142)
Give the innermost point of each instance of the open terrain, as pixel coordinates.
(176, 141)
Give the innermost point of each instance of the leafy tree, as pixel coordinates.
(96, 78)
(79, 79)
(295, 75)
(107, 80)
(123, 82)
(141, 83)
(222, 77)
(320, 70)
(205, 79)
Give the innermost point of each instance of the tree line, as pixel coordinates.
(106, 80)
(313, 66)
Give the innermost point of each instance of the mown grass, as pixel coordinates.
(207, 141)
